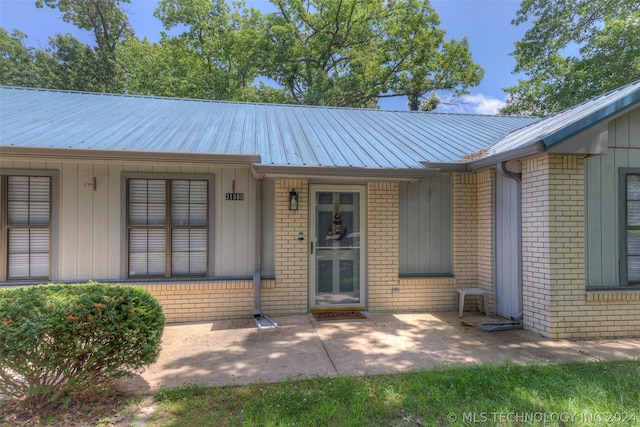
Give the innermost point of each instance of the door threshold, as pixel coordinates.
(339, 308)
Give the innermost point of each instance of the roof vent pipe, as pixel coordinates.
(503, 170)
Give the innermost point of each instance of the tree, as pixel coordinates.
(66, 64)
(109, 24)
(355, 52)
(17, 61)
(216, 50)
(72, 65)
(574, 50)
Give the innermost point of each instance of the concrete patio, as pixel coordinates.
(229, 352)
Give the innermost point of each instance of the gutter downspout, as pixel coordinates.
(262, 322)
(502, 170)
(257, 283)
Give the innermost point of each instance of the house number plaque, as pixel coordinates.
(234, 196)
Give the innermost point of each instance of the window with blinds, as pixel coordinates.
(167, 227)
(632, 228)
(25, 219)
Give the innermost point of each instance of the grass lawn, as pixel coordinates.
(580, 394)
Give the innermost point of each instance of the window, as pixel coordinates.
(167, 227)
(25, 227)
(631, 228)
(426, 227)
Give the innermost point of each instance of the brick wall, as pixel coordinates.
(486, 234)
(465, 229)
(566, 241)
(202, 301)
(387, 291)
(470, 198)
(536, 246)
(383, 253)
(473, 196)
(556, 301)
(290, 295)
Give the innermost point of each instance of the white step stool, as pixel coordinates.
(462, 292)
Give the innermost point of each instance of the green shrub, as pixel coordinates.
(61, 340)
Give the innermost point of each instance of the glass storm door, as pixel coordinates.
(336, 255)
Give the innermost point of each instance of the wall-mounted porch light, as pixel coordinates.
(293, 200)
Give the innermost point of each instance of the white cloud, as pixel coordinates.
(471, 104)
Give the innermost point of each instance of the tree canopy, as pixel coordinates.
(320, 52)
(354, 52)
(109, 23)
(574, 50)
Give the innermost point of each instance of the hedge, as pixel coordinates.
(59, 340)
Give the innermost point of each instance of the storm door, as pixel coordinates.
(336, 247)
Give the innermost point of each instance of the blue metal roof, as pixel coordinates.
(279, 134)
(561, 126)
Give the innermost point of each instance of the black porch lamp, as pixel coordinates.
(293, 200)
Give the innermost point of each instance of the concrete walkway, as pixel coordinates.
(235, 352)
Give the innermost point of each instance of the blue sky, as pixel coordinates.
(485, 23)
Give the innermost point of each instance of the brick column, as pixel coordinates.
(382, 244)
(290, 294)
(486, 234)
(552, 241)
(465, 229)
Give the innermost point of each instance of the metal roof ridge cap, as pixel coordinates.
(87, 153)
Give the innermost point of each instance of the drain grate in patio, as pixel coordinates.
(338, 315)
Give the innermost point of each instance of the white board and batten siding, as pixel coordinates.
(90, 234)
(602, 199)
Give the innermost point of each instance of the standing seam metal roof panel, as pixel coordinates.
(360, 137)
(280, 134)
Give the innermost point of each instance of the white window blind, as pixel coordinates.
(633, 229)
(28, 226)
(167, 242)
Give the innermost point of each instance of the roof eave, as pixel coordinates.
(447, 166)
(491, 160)
(516, 153)
(126, 155)
(604, 113)
(292, 171)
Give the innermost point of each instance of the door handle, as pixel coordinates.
(311, 248)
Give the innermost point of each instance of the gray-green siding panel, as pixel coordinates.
(602, 200)
(425, 226)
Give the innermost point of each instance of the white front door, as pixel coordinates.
(337, 246)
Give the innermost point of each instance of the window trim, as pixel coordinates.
(622, 228)
(124, 266)
(53, 223)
